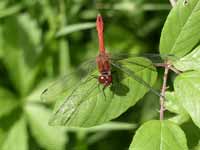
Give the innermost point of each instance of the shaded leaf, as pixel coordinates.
(114, 40)
(64, 63)
(181, 31)
(74, 28)
(7, 102)
(197, 147)
(21, 38)
(159, 135)
(5, 12)
(17, 137)
(3, 135)
(105, 127)
(48, 137)
(192, 133)
(187, 89)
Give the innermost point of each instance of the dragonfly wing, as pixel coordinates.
(133, 67)
(65, 110)
(91, 104)
(63, 85)
(155, 58)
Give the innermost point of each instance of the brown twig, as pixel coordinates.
(172, 2)
(170, 67)
(162, 107)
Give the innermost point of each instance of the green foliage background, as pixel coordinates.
(43, 40)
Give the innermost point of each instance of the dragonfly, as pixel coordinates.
(104, 72)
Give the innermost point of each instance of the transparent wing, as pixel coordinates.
(63, 85)
(66, 109)
(133, 67)
(155, 58)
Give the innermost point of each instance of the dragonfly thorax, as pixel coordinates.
(105, 79)
(103, 64)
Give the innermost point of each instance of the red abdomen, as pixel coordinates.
(103, 63)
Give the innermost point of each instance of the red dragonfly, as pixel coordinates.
(102, 60)
(110, 73)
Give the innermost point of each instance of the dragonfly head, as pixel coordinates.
(105, 79)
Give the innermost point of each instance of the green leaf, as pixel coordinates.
(64, 57)
(21, 38)
(190, 61)
(88, 104)
(187, 89)
(159, 135)
(7, 102)
(3, 135)
(105, 127)
(5, 12)
(3, 4)
(17, 137)
(197, 147)
(1, 42)
(192, 133)
(173, 105)
(48, 137)
(114, 40)
(35, 95)
(74, 28)
(181, 31)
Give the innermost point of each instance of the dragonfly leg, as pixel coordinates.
(103, 90)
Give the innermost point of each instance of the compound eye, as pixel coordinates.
(102, 79)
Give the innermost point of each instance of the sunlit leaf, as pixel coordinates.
(17, 137)
(187, 89)
(159, 135)
(48, 137)
(172, 104)
(88, 105)
(181, 31)
(190, 61)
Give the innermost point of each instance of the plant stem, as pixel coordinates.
(162, 107)
(173, 2)
(170, 67)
